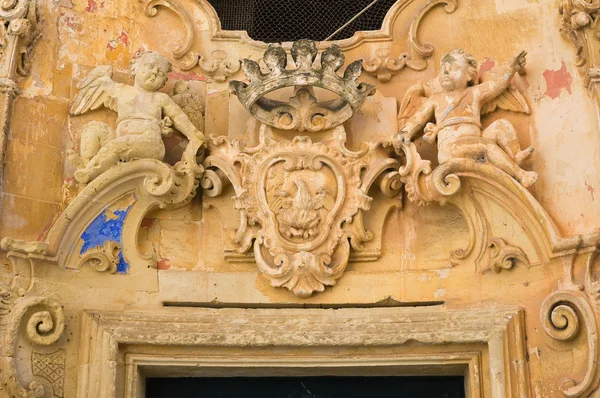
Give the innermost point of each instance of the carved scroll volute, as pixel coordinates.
(384, 65)
(26, 324)
(565, 315)
(578, 25)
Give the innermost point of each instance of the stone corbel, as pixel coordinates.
(31, 328)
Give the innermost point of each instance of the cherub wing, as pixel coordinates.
(510, 100)
(94, 91)
(414, 97)
(190, 103)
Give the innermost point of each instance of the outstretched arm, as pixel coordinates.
(493, 88)
(417, 122)
(180, 120)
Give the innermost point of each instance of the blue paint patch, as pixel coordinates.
(104, 229)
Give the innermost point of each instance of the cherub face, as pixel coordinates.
(151, 72)
(454, 73)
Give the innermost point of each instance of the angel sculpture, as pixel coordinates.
(457, 111)
(144, 116)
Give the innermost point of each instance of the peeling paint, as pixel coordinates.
(93, 6)
(439, 293)
(186, 76)
(107, 226)
(117, 48)
(590, 189)
(556, 80)
(164, 264)
(443, 273)
(486, 65)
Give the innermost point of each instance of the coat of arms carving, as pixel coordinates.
(301, 200)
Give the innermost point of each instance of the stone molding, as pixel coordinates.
(222, 65)
(500, 330)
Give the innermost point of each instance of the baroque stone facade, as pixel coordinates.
(181, 200)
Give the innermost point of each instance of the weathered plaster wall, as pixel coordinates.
(410, 259)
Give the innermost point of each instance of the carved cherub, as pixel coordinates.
(144, 116)
(457, 111)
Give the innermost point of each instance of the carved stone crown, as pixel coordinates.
(302, 112)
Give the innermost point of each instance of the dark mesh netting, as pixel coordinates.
(274, 21)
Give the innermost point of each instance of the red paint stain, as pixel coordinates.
(164, 264)
(590, 189)
(486, 65)
(70, 21)
(117, 47)
(556, 80)
(92, 6)
(147, 222)
(186, 76)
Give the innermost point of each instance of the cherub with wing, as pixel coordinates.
(144, 116)
(457, 109)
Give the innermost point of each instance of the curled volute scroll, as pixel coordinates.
(565, 316)
(27, 322)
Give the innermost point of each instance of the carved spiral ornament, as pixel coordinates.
(42, 322)
(12, 9)
(562, 315)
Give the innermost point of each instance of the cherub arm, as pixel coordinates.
(180, 120)
(415, 124)
(493, 88)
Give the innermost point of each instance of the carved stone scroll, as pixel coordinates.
(564, 315)
(384, 65)
(578, 16)
(28, 322)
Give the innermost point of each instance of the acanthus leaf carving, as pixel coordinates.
(102, 258)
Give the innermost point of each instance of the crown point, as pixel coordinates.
(251, 69)
(275, 58)
(332, 58)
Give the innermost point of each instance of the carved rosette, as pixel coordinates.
(300, 204)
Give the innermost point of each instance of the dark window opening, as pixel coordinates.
(274, 21)
(307, 387)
